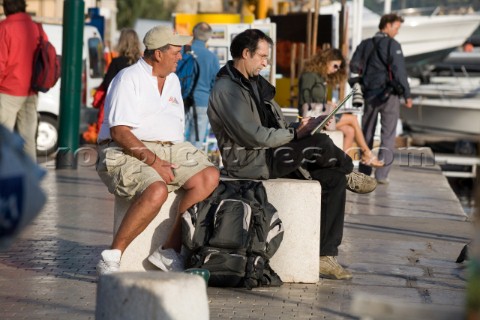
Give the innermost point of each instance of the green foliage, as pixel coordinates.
(128, 12)
(131, 10)
(159, 10)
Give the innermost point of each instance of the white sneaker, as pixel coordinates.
(110, 262)
(167, 260)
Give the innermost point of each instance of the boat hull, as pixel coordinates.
(443, 115)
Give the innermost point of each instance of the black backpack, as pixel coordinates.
(391, 86)
(233, 234)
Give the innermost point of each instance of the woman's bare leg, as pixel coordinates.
(368, 157)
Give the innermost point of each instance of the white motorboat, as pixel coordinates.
(450, 105)
(444, 115)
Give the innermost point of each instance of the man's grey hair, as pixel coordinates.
(202, 31)
(148, 53)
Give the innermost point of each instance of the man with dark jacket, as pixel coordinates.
(380, 62)
(257, 143)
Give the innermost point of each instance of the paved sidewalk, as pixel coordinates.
(400, 241)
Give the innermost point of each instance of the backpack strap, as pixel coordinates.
(387, 64)
(190, 96)
(40, 32)
(390, 59)
(374, 48)
(195, 79)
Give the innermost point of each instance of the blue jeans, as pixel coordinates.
(203, 127)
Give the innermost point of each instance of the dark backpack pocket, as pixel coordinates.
(231, 225)
(226, 269)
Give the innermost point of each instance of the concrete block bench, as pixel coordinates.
(151, 295)
(298, 204)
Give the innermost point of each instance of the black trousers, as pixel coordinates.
(327, 164)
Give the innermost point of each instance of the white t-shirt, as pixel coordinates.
(133, 100)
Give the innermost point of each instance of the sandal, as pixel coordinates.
(369, 159)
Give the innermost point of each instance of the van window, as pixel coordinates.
(97, 65)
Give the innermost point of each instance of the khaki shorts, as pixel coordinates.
(126, 176)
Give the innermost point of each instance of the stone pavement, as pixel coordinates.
(400, 241)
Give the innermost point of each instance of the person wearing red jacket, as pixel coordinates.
(19, 36)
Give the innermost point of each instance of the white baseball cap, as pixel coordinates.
(160, 36)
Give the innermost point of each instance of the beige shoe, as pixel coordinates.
(331, 269)
(360, 183)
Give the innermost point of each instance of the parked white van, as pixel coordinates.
(92, 76)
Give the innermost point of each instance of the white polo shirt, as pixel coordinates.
(133, 100)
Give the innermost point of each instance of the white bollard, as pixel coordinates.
(151, 295)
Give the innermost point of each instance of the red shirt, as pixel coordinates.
(18, 41)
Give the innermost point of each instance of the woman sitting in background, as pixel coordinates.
(328, 68)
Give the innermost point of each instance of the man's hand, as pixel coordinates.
(164, 169)
(308, 124)
(408, 103)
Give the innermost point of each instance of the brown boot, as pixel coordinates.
(331, 269)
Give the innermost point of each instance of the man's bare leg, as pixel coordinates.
(197, 188)
(141, 212)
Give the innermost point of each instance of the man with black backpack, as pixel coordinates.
(380, 64)
(202, 83)
(19, 37)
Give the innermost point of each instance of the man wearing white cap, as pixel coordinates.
(142, 153)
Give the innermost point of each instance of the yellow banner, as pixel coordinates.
(184, 22)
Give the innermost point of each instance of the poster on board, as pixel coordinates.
(223, 35)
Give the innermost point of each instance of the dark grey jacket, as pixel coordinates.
(376, 76)
(244, 142)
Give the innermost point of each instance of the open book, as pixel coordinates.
(333, 112)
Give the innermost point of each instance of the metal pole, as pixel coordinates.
(343, 42)
(293, 58)
(357, 23)
(315, 27)
(301, 57)
(387, 8)
(309, 33)
(70, 92)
